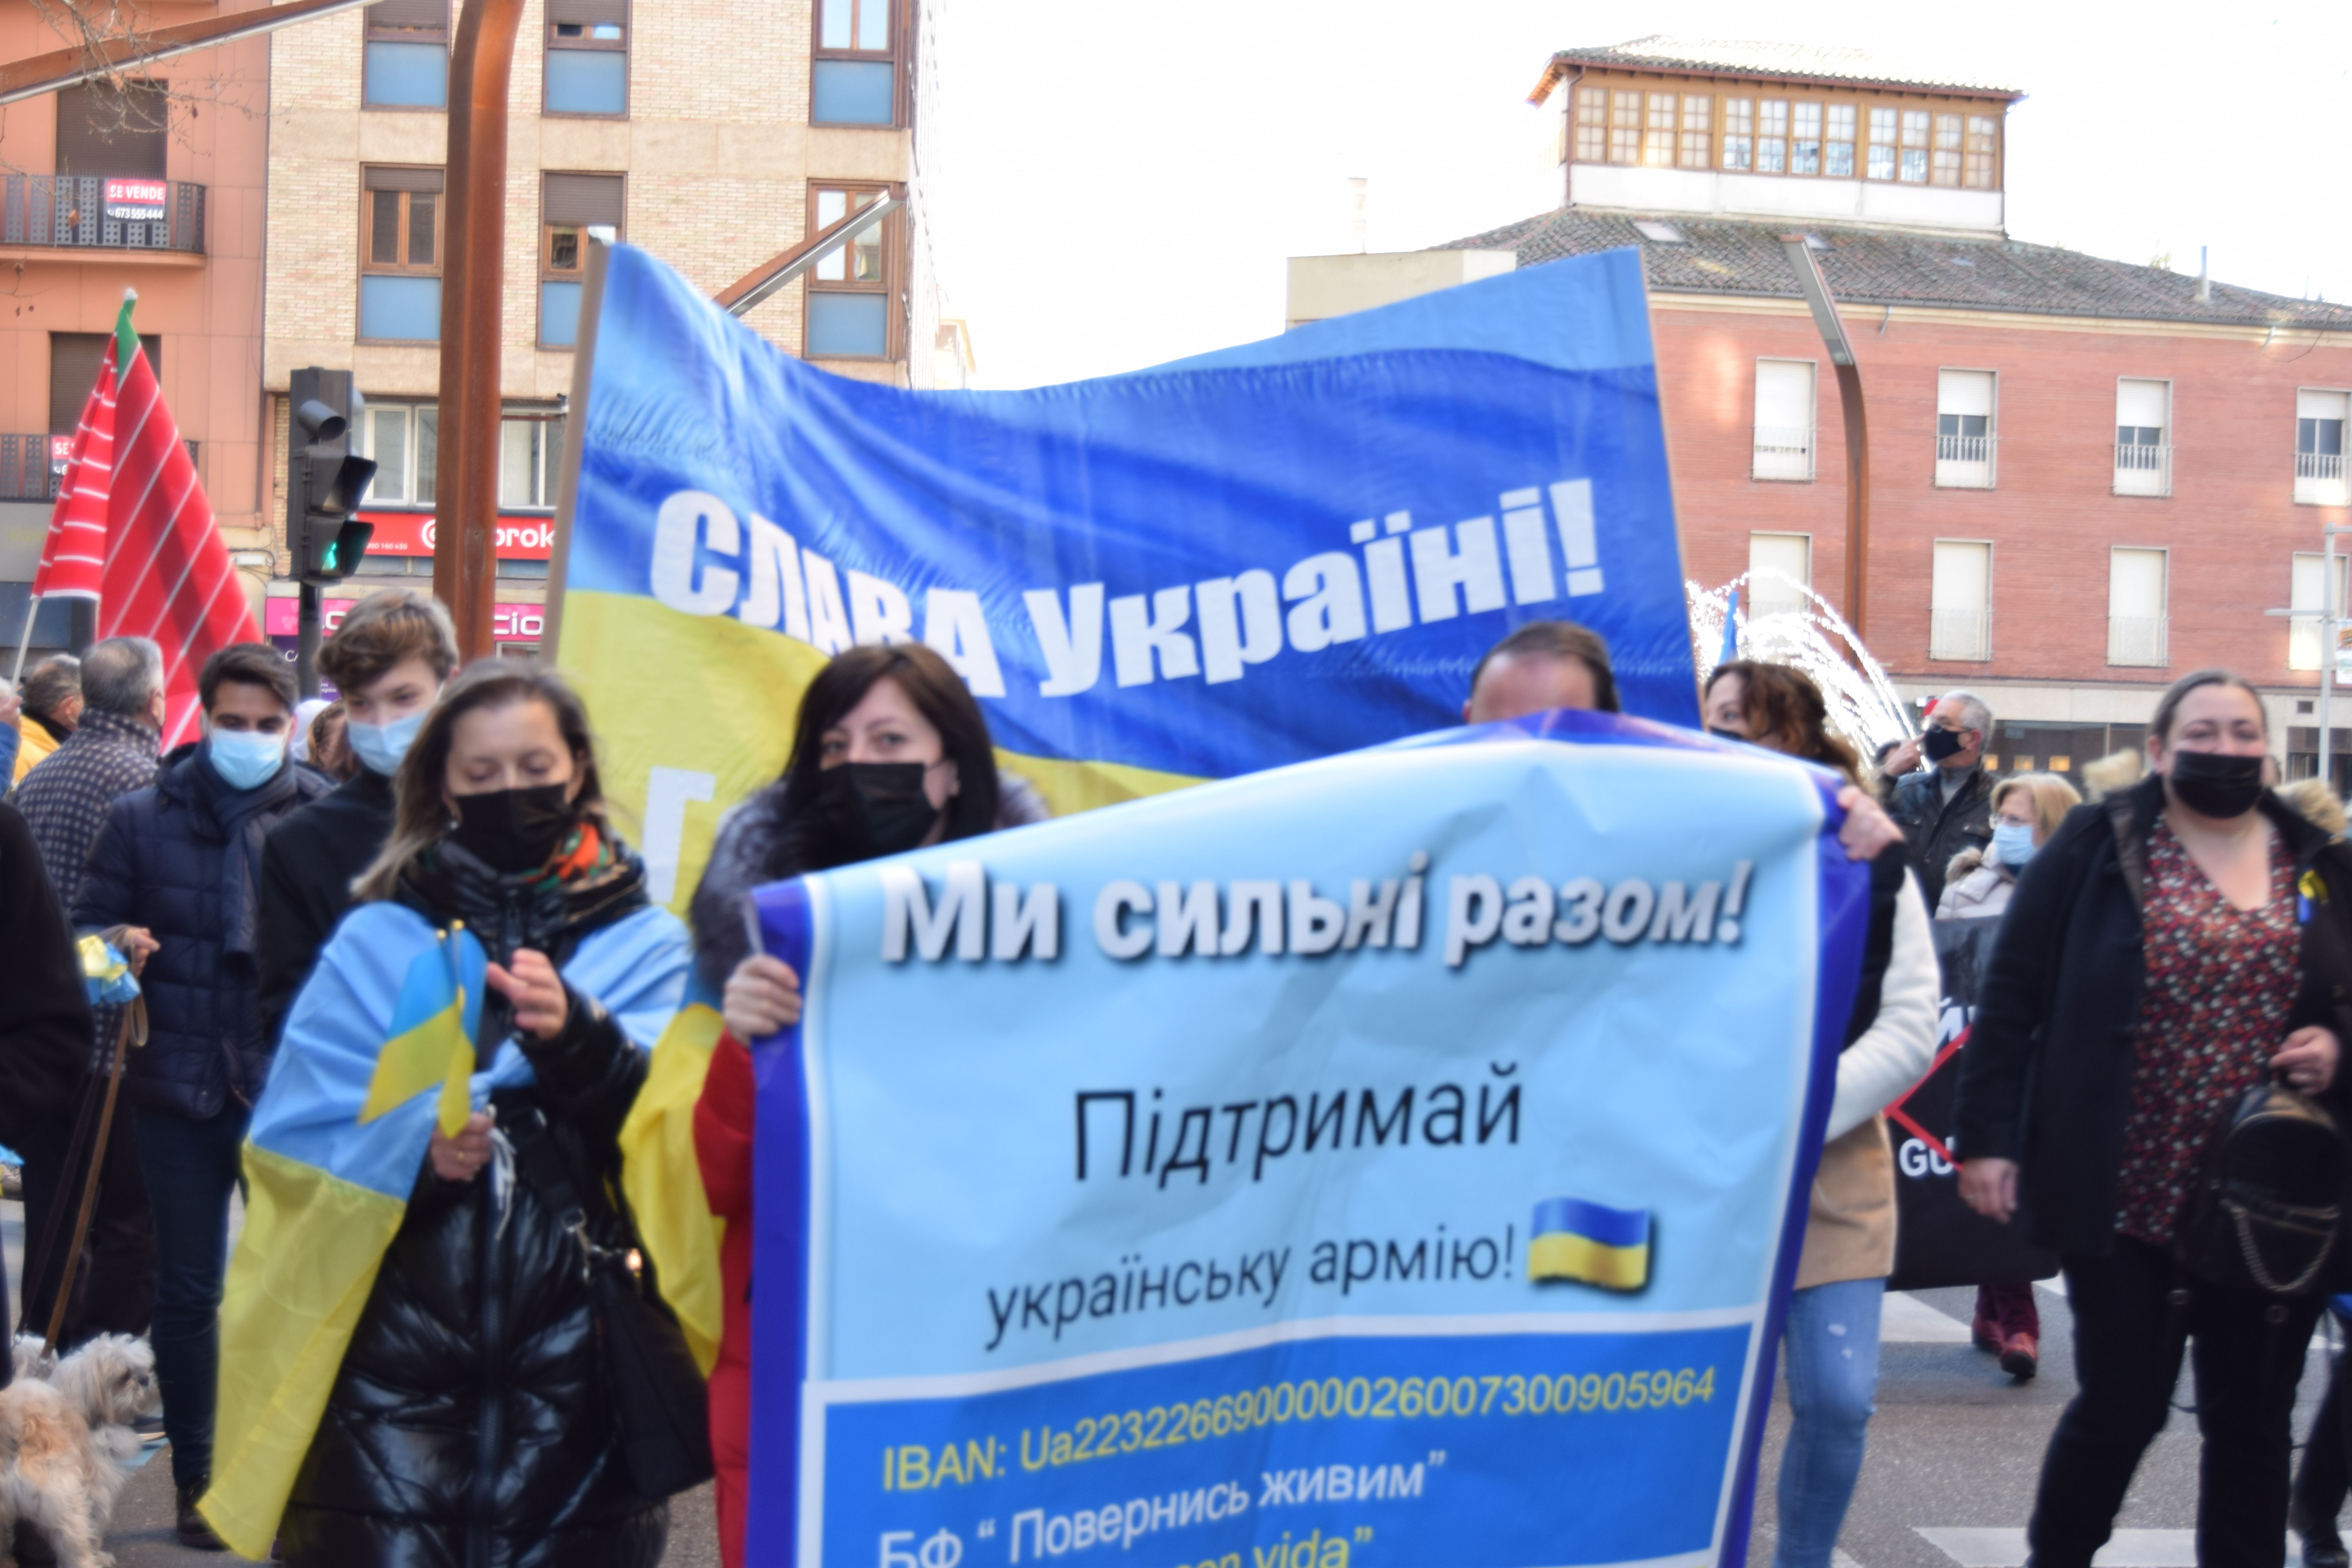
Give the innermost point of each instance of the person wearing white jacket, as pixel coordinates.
(1832, 1334)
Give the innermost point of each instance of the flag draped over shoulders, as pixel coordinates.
(377, 1050)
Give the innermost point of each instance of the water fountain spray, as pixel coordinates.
(1864, 709)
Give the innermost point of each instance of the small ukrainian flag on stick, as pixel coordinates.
(1590, 1243)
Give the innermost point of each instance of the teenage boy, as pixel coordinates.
(173, 870)
(390, 658)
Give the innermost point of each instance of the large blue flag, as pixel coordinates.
(1396, 1158)
(1278, 552)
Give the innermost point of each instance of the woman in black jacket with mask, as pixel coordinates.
(2165, 951)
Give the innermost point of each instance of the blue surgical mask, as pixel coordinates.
(381, 746)
(246, 759)
(2012, 843)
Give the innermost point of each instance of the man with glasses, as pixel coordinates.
(1947, 808)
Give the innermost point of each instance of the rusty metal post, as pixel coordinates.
(473, 289)
(1799, 250)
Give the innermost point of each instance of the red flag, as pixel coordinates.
(166, 574)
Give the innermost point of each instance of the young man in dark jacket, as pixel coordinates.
(178, 865)
(390, 658)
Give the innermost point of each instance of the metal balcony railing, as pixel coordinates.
(1966, 462)
(29, 472)
(1783, 453)
(2143, 471)
(1960, 635)
(2319, 479)
(2136, 639)
(100, 213)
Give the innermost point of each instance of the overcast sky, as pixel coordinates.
(1117, 183)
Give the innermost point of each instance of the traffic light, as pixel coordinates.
(324, 480)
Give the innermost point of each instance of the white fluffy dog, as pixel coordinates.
(64, 1434)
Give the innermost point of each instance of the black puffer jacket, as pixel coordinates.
(470, 1424)
(183, 858)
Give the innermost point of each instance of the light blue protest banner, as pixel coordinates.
(1398, 1158)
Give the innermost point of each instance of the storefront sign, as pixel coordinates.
(136, 201)
(410, 533)
(60, 453)
(508, 623)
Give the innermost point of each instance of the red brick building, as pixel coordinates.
(2086, 476)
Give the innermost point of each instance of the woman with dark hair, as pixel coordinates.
(471, 1421)
(1890, 1039)
(2169, 948)
(890, 753)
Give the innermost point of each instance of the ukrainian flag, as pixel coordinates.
(377, 1051)
(1573, 1238)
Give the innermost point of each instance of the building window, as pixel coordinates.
(1738, 132)
(849, 290)
(1772, 136)
(1625, 128)
(1960, 611)
(1984, 133)
(73, 372)
(1837, 153)
(587, 58)
(406, 59)
(570, 205)
(1591, 125)
(2143, 437)
(2309, 598)
(1915, 146)
(1784, 420)
(404, 440)
(2320, 448)
(1779, 573)
(855, 80)
(1947, 167)
(1805, 142)
(120, 129)
(1882, 144)
(1658, 133)
(400, 255)
(1965, 439)
(2136, 607)
(1698, 120)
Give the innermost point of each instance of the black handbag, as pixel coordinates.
(657, 1393)
(2265, 1203)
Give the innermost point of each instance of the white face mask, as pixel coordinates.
(381, 746)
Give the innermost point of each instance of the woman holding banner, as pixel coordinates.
(890, 753)
(2169, 949)
(1832, 1329)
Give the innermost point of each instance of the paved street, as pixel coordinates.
(1948, 1484)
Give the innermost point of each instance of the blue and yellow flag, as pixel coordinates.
(1574, 1238)
(377, 1051)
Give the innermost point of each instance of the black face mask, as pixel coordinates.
(2211, 784)
(515, 830)
(1938, 744)
(1721, 733)
(874, 808)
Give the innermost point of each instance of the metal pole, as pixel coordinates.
(305, 640)
(32, 608)
(473, 282)
(1811, 284)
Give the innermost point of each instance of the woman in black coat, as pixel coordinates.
(471, 1422)
(2166, 950)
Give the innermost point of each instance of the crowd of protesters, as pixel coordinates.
(2181, 939)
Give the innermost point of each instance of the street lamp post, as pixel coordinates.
(473, 287)
(1799, 252)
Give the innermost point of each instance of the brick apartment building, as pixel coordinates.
(152, 183)
(2087, 477)
(714, 134)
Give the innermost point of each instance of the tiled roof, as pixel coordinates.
(1879, 267)
(1795, 62)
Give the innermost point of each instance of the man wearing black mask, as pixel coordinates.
(1948, 808)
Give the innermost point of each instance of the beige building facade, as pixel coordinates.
(714, 135)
